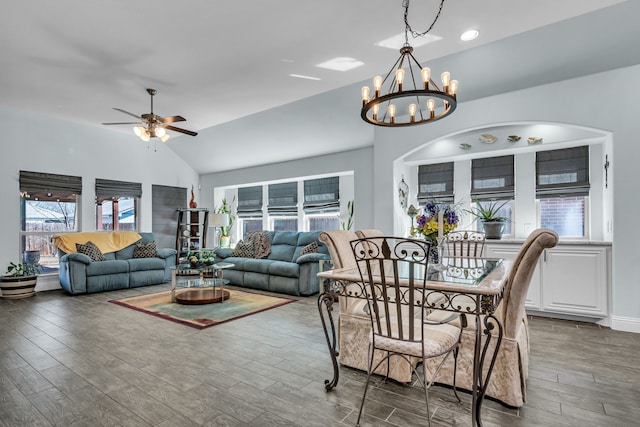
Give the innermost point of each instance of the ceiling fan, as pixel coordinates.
(153, 126)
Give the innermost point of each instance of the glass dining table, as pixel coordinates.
(473, 286)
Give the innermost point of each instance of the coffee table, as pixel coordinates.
(199, 285)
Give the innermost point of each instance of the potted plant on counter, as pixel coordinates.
(489, 215)
(19, 281)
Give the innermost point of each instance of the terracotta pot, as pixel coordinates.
(18, 286)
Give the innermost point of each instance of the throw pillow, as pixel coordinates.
(91, 250)
(309, 249)
(243, 250)
(145, 250)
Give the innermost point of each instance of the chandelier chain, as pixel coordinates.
(408, 29)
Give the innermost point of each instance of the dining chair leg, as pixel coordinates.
(366, 385)
(455, 372)
(426, 398)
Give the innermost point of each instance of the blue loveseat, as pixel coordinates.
(284, 270)
(119, 270)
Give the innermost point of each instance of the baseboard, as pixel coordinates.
(625, 324)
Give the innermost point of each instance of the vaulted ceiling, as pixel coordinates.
(217, 62)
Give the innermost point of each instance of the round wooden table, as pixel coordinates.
(202, 296)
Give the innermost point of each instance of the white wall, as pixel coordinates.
(43, 144)
(572, 102)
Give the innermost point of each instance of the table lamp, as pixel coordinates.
(216, 221)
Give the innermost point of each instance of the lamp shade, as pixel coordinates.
(218, 220)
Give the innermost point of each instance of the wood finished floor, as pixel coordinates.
(82, 361)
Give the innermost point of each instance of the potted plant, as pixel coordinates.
(225, 232)
(488, 214)
(19, 281)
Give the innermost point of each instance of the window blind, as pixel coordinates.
(37, 184)
(322, 195)
(435, 183)
(283, 199)
(250, 202)
(562, 172)
(492, 178)
(107, 189)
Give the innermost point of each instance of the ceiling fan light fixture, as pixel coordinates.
(164, 137)
(160, 132)
(145, 136)
(138, 131)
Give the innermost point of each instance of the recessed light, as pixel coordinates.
(397, 41)
(300, 76)
(341, 63)
(469, 35)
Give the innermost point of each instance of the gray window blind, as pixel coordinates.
(250, 202)
(562, 172)
(107, 189)
(435, 183)
(322, 195)
(492, 178)
(50, 186)
(283, 199)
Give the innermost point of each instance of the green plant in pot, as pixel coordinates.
(489, 216)
(19, 281)
(225, 232)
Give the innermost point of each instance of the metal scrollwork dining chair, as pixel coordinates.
(465, 243)
(394, 272)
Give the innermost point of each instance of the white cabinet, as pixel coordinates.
(575, 280)
(569, 279)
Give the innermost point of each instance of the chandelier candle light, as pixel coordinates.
(415, 103)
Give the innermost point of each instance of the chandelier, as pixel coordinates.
(398, 100)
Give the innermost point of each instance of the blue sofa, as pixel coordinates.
(79, 275)
(284, 270)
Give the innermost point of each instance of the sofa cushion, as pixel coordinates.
(243, 249)
(107, 267)
(91, 250)
(307, 237)
(145, 250)
(143, 264)
(285, 269)
(257, 265)
(282, 253)
(285, 238)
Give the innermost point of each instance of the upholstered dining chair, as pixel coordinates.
(465, 243)
(508, 380)
(394, 273)
(354, 323)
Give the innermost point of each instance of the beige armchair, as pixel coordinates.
(508, 381)
(354, 324)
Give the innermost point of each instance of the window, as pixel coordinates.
(283, 206)
(249, 209)
(492, 180)
(322, 204)
(562, 189)
(116, 204)
(435, 183)
(47, 207)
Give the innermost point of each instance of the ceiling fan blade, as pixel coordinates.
(188, 132)
(172, 119)
(123, 123)
(126, 112)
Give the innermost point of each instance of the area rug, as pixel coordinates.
(239, 304)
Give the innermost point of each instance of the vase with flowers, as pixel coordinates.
(436, 221)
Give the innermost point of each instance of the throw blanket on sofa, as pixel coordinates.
(106, 241)
(261, 243)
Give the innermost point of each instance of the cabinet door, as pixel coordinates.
(533, 300)
(574, 280)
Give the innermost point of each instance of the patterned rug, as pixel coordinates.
(239, 304)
